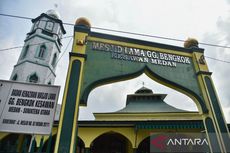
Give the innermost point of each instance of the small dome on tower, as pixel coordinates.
(83, 21)
(191, 42)
(144, 90)
(53, 14)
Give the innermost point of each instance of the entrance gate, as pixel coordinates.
(97, 59)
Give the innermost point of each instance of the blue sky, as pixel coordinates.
(206, 20)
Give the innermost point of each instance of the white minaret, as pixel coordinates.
(37, 62)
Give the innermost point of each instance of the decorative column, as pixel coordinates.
(213, 119)
(67, 130)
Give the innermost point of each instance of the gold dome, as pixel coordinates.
(191, 42)
(83, 21)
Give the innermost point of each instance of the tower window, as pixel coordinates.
(49, 25)
(15, 77)
(54, 60)
(33, 78)
(41, 52)
(25, 52)
(60, 34)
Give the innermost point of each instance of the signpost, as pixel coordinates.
(27, 108)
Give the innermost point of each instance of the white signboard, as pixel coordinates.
(27, 108)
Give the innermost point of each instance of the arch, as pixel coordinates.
(54, 60)
(25, 52)
(42, 51)
(144, 146)
(142, 136)
(10, 142)
(113, 91)
(80, 145)
(110, 142)
(15, 77)
(88, 135)
(33, 78)
(154, 76)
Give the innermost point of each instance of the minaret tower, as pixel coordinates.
(37, 62)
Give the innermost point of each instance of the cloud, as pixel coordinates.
(221, 36)
(112, 97)
(228, 1)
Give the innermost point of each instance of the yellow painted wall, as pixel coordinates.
(89, 134)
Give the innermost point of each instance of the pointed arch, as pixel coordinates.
(42, 51)
(54, 60)
(144, 145)
(33, 78)
(151, 74)
(110, 142)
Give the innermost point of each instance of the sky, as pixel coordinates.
(206, 20)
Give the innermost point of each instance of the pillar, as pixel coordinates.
(67, 130)
(214, 122)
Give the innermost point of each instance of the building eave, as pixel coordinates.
(147, 116)
(47, 16)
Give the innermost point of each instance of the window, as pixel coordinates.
(15, 77)
(47, 33)
(60, 34)
(25, 52)
(49, 25)
(49, 83)
(41, 52)
(54, 60)
(33, 78)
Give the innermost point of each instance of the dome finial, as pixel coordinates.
(144, 90)
(143, 83)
